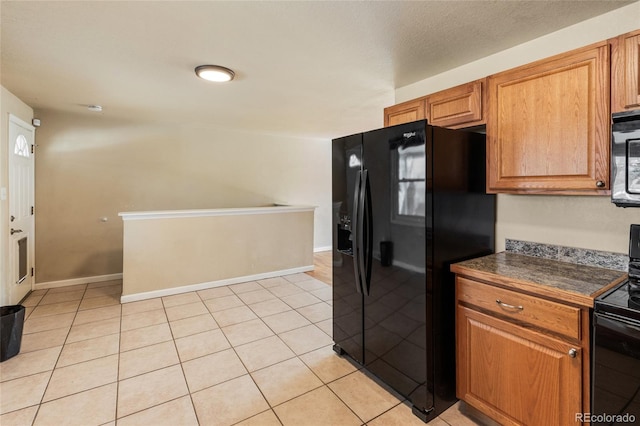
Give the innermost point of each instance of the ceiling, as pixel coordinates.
(316, 69)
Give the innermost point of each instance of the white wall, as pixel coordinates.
(600, 28)
(90, 167)
(171, 254)
(9, 104)
(575, 221)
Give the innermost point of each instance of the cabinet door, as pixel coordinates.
(625, 72)
(515, 375)
(405, 112)
(548, 127)
(458, 107)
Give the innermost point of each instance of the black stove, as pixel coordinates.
(615, 347)
(624, 300)
(620, 301)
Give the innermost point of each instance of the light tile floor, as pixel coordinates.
(256, 353)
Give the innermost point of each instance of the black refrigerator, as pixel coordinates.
(408, 201)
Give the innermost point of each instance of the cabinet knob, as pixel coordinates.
(600, 184)
(573, 353)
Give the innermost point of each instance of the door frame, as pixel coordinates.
(11, 272)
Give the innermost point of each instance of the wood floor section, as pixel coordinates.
(323, 268)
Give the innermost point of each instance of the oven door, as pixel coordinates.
(615, 381)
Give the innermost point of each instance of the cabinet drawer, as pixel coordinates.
(541, 313)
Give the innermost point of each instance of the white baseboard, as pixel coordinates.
(319, 249)
(76, 281)
(211, 284)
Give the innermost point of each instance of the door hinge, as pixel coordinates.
(32, 210)
(33, 272)
(33, 147)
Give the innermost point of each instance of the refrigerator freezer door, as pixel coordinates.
(347, 294)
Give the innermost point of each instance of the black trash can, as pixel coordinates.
(386, 253)
(11, 322)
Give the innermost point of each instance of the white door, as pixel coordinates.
(21, 208)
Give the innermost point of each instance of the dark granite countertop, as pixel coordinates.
(570, 282)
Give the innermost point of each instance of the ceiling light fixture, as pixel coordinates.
(214, 73)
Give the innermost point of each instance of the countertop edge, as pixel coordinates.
(586, 301)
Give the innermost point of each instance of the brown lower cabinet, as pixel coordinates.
(521, 359)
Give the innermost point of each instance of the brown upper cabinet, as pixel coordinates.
(458, 107)
(548, 122)
(625, 72)
(405, 112)
(548, 125)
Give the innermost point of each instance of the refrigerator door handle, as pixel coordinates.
(361, 222)
(355, 232)
(368, 250)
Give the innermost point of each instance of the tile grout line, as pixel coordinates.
(233, 347)
(236, 353)
(41, 403)
(249, 372)
(193, 405)
(115, 414)
(296, 356)
(59, 355)
(151, 371)
(51, 375)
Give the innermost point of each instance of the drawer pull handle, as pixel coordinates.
(573, 353)
(508, 306)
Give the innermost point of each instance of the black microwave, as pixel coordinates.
(625, 159)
